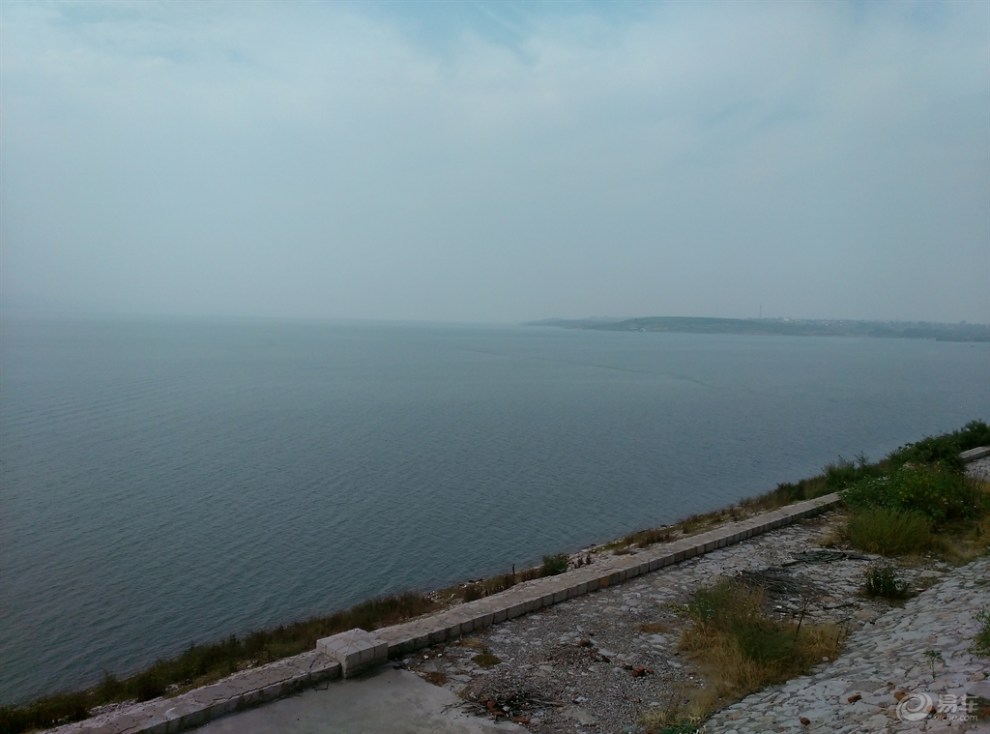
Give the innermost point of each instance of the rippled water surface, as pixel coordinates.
(170, 482)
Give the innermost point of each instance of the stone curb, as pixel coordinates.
(194, 708)
(357, 650)
(543, 592)
(973, 454)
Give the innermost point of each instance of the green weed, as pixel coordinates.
(553, 565)
(882, 581)
(889, 532)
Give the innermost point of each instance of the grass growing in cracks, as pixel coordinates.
(741, 650)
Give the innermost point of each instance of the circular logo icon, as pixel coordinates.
(915, 707)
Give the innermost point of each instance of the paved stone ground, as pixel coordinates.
(582, 655)
(888, 659)
(884, 661)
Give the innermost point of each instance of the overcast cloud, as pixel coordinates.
(497, 161)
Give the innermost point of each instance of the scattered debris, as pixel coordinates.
(508, 694)
(824, 556)
(778, 582)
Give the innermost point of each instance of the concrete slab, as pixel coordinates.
(385, 700)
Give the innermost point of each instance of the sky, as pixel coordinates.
(496, 160)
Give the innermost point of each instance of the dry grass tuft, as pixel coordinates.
(436, 677)
(472, 643)
(486, 659)
(739, 650)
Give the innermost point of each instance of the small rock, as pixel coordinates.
(805, 721)
(854, 698)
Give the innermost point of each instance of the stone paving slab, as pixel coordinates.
(885, 680)
(329, 661)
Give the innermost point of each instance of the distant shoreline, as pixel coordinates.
(961, 332)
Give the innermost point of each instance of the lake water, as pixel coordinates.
(167, 482)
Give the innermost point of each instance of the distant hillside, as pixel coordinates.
(782, 327)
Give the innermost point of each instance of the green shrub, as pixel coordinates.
(110, 688)
(150, 684)
(882, 581)
(553, 565)
(889, 532)
(843, 473)
(973, 435)
(935, 491)
(944, 449)
(48, 711)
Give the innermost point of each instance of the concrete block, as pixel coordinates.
(355, 650)
(480, 619)
(399, 648)
(516, 609)
(466, 625)
(421, 640)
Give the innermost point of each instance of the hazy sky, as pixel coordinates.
(497, 160)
